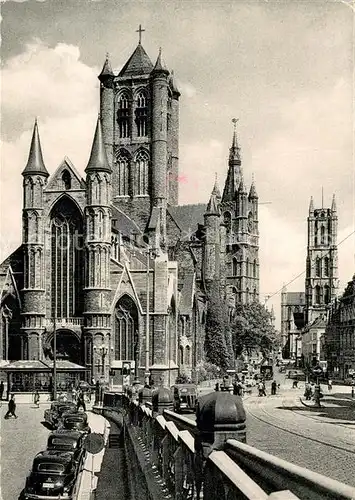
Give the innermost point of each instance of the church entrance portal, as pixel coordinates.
(68, 347)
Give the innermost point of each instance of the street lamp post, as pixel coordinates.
(103, 350)
(147, 330)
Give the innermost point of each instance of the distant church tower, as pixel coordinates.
(139, 109)
(322, 259)
(239, 210)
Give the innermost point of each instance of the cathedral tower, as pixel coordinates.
(35, 177)
(139, 107)
(239, 210)
(97, 247)
(322, 259)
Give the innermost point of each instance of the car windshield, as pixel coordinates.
(74, 421)
(63, 443)
(50, 467)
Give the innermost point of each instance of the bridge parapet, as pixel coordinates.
(210, 459)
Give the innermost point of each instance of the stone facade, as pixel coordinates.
(101, 255)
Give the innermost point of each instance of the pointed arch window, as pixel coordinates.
(141, 114)
(323, 236)
(326, 294)
(318, 267)
(141, 177)
(247, 296)
(247, 267)
(66, 178)
(254, 269)
(126, 324)
(123, 115)
(122, 173)
(326, 266)
(235, 267)
(317, 294)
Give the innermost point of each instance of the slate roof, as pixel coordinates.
(35, 163)
(125, 225)
(188, 216)
(98, 158)
(138, 64)
(295, 298)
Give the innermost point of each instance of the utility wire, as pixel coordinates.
(304, 271)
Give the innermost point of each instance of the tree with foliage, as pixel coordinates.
(216, 348)
(252, 329)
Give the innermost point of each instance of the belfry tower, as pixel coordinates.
(35, 177)
(139, 108)
(239, 210)
(322, 259)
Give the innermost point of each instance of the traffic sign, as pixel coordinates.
(94, 443)
(317, 370)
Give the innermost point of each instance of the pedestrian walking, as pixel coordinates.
(308, 391)
(330, 385)
(36, 399)
(261, 388)
(295, 384)
(1, 389)
(273, 387)
(216, 387)
(11, 408)
(81, 402)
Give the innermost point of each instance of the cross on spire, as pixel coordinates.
(140, 31)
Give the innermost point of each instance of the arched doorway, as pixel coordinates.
(68, 347)
(126, 329)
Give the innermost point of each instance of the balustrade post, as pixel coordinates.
(219, 416)
(179, 472)
(161, 400)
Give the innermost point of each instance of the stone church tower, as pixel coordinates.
(322, 259)
(239, 211)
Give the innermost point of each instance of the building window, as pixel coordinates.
(126, 324)
(323, 236)
(123, 115)
(326, 266)
(66, 178)
(247, 267)
(122, 162)
(141, 162)
(247, 296)
(318, 267)
(317, 294)
(254, 269)
(141, 114)
(326, 294)
(235, 267)
(66, 259)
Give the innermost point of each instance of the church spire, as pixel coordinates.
(334, 205)
(216, 190)
(98, 158)
(35, 164)
(213, 204)
(160, 65)
(311, 205)
(106, 72)
(253, 195)
(234, 171)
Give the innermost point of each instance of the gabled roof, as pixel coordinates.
(188, 216)
(66, 164)
(138, 64)
(125, 225)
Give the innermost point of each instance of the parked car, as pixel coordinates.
(296, 374)
(75, 421)
(249, 382)
(69, 441)
(53, 414)
(184, 397)
(53, 476)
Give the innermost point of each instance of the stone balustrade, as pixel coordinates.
(209, 458)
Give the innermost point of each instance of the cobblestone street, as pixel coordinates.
(21, 439)
(308, 437)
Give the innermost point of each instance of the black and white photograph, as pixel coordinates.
(177, 250)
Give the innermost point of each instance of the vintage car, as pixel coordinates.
(75, 421)
(184, 397)
(53, 476)
(53, 414)
(69, 441)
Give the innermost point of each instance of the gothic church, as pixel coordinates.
(111, 262)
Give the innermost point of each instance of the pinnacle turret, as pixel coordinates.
(160, 66)
(106, 72)
(234, 152)
(334, 205)
(311, 205)
(253, 195)
(35, 164)
(216, 190)
(175, 90)
(241, 188)
(213, 204)
(98, 158)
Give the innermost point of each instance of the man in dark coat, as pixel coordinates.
(11, 408)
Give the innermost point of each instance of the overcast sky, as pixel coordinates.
(284, 68)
